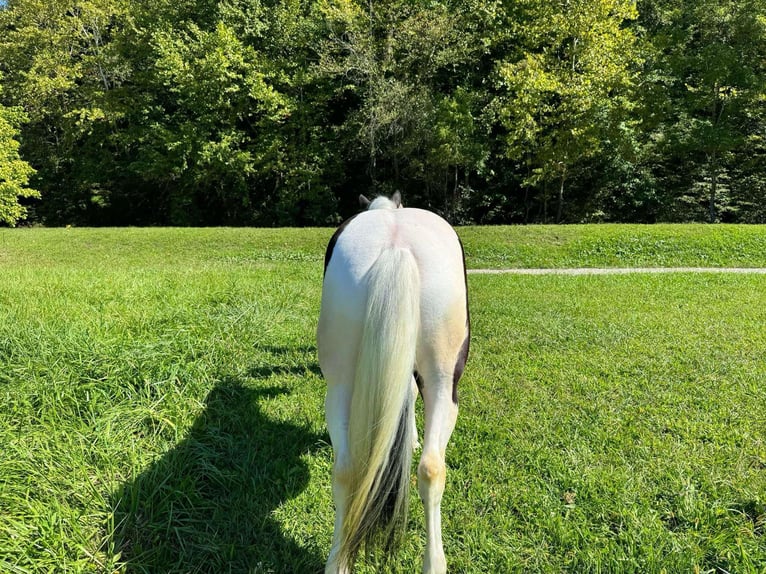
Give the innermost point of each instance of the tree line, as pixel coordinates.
(280, 112)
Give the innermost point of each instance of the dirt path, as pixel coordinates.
(621, 270)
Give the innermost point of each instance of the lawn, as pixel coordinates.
(162, 404)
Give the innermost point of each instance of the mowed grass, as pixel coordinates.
(540, 246)
(666, 245)
(162, 407)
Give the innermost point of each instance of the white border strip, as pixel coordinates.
(618, 270)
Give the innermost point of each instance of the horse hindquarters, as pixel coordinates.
(441, 347)
(369, 402)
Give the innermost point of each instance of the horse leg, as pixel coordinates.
(337, 403)
(440, 417)
(337, 348)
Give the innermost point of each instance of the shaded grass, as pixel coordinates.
(162, 412)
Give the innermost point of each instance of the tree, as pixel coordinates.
(14, 172)
(226, 125)
(59, 64)
(403, 69)
(279, 112)
(705, 79)
(206, 93)
(569, 89)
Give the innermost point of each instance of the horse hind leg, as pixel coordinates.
(440, 418)
(336, 357)
(337, 404)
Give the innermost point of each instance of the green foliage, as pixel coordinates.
(14, 172)
(704, 98)
(569, 91)
(214, 85)
(416, 123)
(60, 62)
(274, 113)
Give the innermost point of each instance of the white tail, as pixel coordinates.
(380, 420)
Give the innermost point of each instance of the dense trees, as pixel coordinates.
(570, 91)
(275, 112)
(704, 105)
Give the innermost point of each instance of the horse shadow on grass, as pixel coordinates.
(284, 354)
(206, 506)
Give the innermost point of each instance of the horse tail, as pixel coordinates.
(380, 423)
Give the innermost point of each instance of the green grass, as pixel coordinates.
(162, 405)
(488, 247)
(616, 246)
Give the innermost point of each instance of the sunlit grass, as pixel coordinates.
(696, 245)
(495, 247)
(162, 410)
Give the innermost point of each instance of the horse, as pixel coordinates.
(393, 323)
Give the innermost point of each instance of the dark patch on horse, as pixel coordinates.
(334, 240)
(418, 382)
(462, 356)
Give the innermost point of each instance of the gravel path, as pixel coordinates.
(621, 270)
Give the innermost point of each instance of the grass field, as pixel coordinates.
(162, 404)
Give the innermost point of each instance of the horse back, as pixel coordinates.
(360, 240)
(432, 241)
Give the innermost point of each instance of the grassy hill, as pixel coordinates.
(489, 247)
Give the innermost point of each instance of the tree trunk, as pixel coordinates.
(560, 208)
(454, 192)
(713, 158)
(713, 186)
(527, 206)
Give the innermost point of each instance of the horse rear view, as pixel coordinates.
(394, 318)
